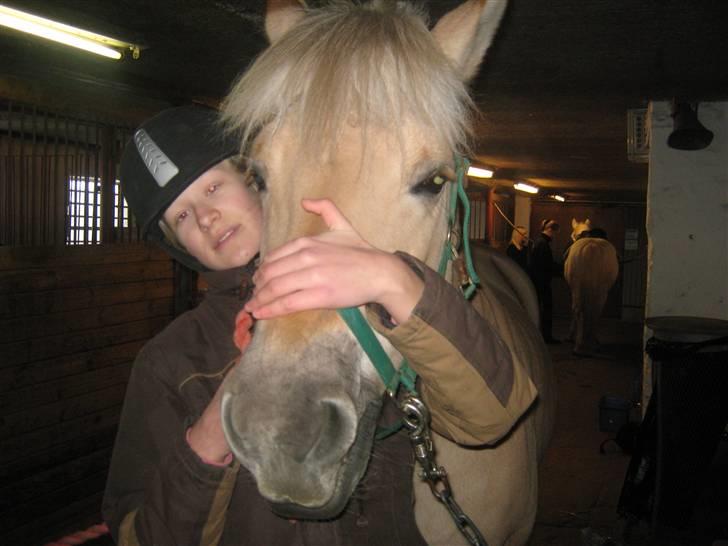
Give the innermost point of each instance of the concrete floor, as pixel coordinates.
(579, 487)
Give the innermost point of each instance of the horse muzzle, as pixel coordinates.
(306, 447)
(350, 472)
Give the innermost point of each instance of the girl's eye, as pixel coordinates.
(181, 216)
(432, 184)
(212, 188)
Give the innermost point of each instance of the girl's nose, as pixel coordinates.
(207, 216)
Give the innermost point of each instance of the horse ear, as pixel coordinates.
(588, 223)
(466, 32)
(281, 16)
(574, 223)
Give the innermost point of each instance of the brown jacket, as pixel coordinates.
(160, 493)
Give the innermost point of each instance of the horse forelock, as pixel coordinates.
(347, 64)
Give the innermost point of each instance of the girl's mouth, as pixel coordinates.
(225, 236)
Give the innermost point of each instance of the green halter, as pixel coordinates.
(358, 325)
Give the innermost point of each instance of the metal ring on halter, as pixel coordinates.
(416, 415)
(453, 242)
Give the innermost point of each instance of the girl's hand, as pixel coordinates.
(331, 270)
(206, 437)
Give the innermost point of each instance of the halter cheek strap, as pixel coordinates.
(449, 251)
(416, 416)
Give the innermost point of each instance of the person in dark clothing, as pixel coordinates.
(172, 478)
(518, 247)
(542, 269)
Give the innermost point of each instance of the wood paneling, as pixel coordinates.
(72, 320)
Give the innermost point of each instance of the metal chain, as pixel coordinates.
(417, 422)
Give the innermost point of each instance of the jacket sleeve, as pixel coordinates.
(473, 386)
(158, 491)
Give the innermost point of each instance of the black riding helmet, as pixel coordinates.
(164, 156)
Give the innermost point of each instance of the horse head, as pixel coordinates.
(578, 228)
(364, 105)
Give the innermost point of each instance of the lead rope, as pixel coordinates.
(416, 416)
(417, 423)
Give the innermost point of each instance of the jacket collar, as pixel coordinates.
(238, 279)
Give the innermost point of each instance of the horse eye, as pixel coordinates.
(432, 184)
(256, 180)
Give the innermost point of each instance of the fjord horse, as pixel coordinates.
(590, 269)
(364, 105)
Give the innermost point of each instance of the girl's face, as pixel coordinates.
(217, 218)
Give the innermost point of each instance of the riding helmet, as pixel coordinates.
(163, 157)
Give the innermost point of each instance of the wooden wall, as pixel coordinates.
(489, 211)
(71, 322)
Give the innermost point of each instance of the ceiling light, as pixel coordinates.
(522, 186)
(65, 34)
(557, 197)
(479, 172)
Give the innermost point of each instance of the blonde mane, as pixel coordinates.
(362, 65)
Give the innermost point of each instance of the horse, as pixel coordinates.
(591, 268)
(364, 105)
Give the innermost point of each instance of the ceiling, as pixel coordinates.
(554, 91)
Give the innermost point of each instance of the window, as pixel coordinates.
(83, 213)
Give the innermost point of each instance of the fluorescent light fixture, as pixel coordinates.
(479, 172)
(64, 34)
(557, 197)
(522, 186)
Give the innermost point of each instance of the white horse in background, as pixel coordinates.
(591, 269)
(364, 105)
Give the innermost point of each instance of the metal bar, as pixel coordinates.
(105, 149)
(57, 205)
(98, 201)
(119, 230)
(87, 197)
(22, 194)
(14, 181)
(43, 184)
(32, 218)
(65, 187)
(4, 187)
(72, 194)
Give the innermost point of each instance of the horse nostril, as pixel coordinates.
(328, 431)
(333, 429)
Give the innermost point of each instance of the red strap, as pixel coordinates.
(242, 334)
(79, 537)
